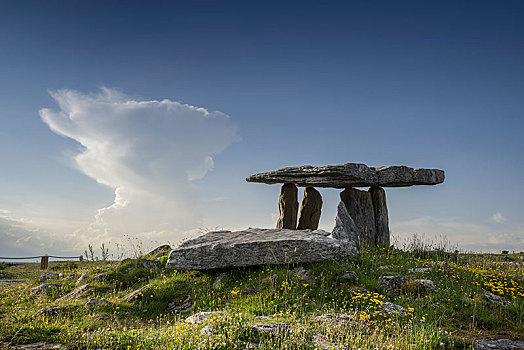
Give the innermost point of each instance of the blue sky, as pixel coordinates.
(435, 84)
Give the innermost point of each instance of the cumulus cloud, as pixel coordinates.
(498, 218)
(149, 152)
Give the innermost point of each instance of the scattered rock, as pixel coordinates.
(428, 285)
(50, 310)
(288, 207)
(322, 344)
(392, 282)
(310, 209)
(75, 293)
(255, 246)
(96, 302)
(345, 227)
(349, 275)
(384, 267)
(102, 318)
(380, 209)
(135, 295)
(186, 306)
(46, 287)
(420, 270)
(148, 264)
(71, 276)
(498, 344)
(303, 275)
(493, 298)
(334, 318)
(82, 279)
(360, 207)
(207, 316)
(275, 329)
(391, 308)
(351, 175)
(48, 276)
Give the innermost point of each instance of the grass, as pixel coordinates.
(454, 316)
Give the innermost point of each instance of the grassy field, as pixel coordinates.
(452, 317)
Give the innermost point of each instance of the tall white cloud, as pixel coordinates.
(148, 152)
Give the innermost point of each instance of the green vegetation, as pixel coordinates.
(454, 316)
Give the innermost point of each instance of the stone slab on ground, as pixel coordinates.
(256, 246)
(350, 175)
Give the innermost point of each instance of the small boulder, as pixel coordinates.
(48, 276)
(303, 275)
(159, 251)
(322, 344)
(135, 295)
(275, 329)
(427, 285)
(391, 308)
(493, 298)
(392, 282)
(50, 310)
(75, 293)
(100, 277)
(186, 306)
(207, 316)
(349, 276)
(498, 344)
(82, 279)
(420, 270)
(96, 302)
(217, 284)
(46, 287)
(335, 318)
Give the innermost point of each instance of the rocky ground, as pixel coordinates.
(381, 298)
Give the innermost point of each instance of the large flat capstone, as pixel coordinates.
(351, 175)
(256, 246)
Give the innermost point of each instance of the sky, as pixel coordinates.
(136, 123)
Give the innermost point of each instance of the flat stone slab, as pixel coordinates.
(351, 175)
(256, 246)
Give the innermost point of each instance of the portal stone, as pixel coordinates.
(345, 227)
(378, 197)
(360, 207)
(310, 209)
(288, 206)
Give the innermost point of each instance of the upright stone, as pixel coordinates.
(345, 227)
(378, 197)
(288, 206)
(310, 209)
(360, 207)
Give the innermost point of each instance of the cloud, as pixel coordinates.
(148, 152)
(461, 235)
(498, 218)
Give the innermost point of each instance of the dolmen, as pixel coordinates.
(362, 219)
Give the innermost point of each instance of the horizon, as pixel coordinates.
(140, 123)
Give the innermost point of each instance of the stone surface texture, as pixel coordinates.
(256, 246)
(380, 209)
(75, 293)
(360, 207)
(351, 175)
(345, 227)
(392, 282)
(391, 308)
(310, 209)
(288, 207)
(498, 344)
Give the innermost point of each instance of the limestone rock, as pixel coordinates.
(420, 270)
(350, 276)
(36, 346)
(217, 283)
(100, 277)
(322, 344)
(391, 308)
(75, 293)
(493, 298)
(392, 282)
(498, 344)
(207, 316)
(46, 287)
(288, 207)
(159, 251)
(310, 209)
(50, 310)
(336, 318)
(256, 246)
(360, 207)
(428, 285)
(345, 227)
(186, 306)
(135, 295)
(96, 302)
(351, 175)
(303, 275)
(275, 329)
(380, 209)
(47, 276)
(82, 279)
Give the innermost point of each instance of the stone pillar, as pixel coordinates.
(378, 197)
(310, 209)
(360, 207)
(288, 206)
(345, 227)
